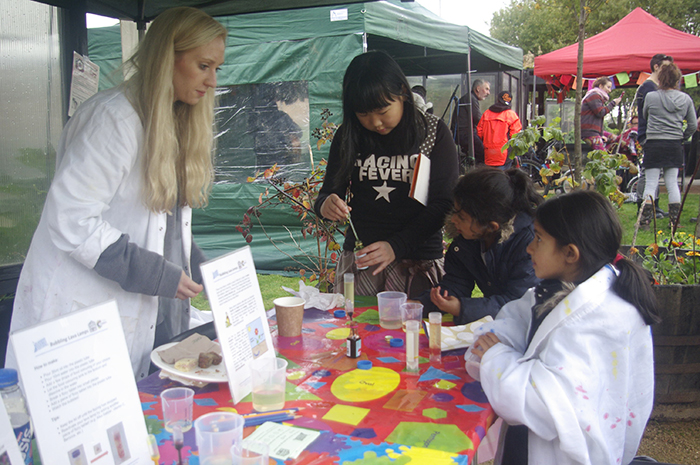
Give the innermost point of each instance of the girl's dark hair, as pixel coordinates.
(372, 81)
(587, 220)
(489, 194)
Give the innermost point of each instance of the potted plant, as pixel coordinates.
(673, 260)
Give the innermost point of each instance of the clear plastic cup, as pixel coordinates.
(177, 408)
(411, 311)
(251, 453)
(269, 382)
(216, 433)
(389, 303)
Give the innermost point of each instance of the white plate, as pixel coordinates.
(213, 374)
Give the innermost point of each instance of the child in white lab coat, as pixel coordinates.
(569, 367)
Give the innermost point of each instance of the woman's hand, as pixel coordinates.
(378, 253)
(187, 288)
(334, 208)
(484, 343)
(617, 100)
(445, 302)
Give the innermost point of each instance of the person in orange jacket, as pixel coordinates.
(496, 127)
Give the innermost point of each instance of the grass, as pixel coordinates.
(270, 288)
(271, 285)
(628, 217)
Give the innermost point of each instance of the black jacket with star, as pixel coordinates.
(503, 273)
(381, 207)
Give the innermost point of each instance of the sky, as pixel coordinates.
(476, 15)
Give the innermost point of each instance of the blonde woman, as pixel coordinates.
(131, 164)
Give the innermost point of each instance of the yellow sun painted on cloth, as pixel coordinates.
(338, 334)
(422, 455)
(365, 385)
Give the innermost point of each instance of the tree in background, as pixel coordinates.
(541, 26)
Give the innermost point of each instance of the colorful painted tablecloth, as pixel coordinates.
(378, 416)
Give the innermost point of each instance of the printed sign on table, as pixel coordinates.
(239, 316)
(80, 387)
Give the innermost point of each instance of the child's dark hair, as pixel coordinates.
(490, 194)
(587, 220)
(372, 81)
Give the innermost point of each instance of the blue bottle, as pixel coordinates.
(16, 407)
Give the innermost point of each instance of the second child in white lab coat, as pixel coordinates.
(569, 367)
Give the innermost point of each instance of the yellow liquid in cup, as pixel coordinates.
(184, 425)
(267, 399)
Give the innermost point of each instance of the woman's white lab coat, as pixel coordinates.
(96, 196)
(585, 384)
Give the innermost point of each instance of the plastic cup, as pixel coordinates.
(360, 256)
(389, 303)
(411, 311)
(290, 315)
(177, 408)
(251, 453)
(216, 433)
(269, 382)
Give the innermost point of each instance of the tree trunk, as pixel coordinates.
(576, 162)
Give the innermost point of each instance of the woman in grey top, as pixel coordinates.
(665, 110)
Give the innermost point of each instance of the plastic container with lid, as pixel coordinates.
(16, 407)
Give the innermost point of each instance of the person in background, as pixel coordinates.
(495, 128)
(594, 106)
(491, 227)
(370, 169)
(461, 120)
(665, 110)
(627, 140)
(420, 95)
(649, 85)
(132, 163)
(569, 367)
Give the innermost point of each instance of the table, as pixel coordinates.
(438, 416)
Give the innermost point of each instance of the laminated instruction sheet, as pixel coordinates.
(239, 316)
(80, 387)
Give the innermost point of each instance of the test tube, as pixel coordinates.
(349, 308)
(349, 284)
(412, 329)
(435, 320)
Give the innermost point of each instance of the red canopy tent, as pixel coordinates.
(625, 47)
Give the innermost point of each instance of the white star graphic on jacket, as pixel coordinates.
(383, 191)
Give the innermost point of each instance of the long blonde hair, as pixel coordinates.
(177, 161)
